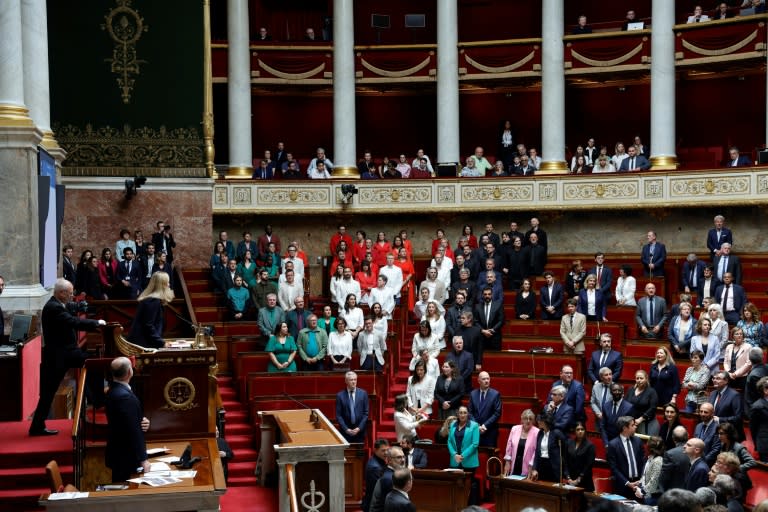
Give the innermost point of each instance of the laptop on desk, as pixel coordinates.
(20, 329)
(637, 25)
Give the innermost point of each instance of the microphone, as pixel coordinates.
(313, 417)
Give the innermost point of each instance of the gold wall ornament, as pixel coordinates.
(125, 26)
(179, 394)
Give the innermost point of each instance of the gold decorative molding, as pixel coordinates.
(345, 171)
(664, 163)
(395, 74)
(293, 195)
(600, 190)
(208, 128)
(15, 115)
(497, 193)
(737, 185)
(380, 195)
(549, 167)
(130, 148)
(720, 51)
(607, 63)
(239, 172)
(290, 76)
(125, 27)
(500, 69)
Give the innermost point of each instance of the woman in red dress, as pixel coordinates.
(380, 249)
(408, 294)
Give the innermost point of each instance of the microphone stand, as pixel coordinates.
(313, 417)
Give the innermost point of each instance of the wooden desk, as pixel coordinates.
(435, 490)
(200, 493)
(513, 495)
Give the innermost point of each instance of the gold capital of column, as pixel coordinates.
(15, 115)
(240, 172)
(553, 167)
(664, 163)
(348, 172)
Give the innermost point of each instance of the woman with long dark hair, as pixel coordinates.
(449, 390)
(580, 459)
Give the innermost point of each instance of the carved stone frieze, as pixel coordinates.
(379, 195)
(704, 186)
(497, 193)
(287, 196)
(600, 190)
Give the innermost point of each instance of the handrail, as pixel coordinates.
(290, 476)
(79, 401)
(185, 291)
(78, 439)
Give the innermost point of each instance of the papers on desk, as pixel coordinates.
(66, 495)
(613, 497)
(158, 466)
(157, 451)
(516, 477)
(173, 474)
(155, 481)
(180, 344)
(167, 460)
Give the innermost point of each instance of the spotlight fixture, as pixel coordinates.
(132, 185)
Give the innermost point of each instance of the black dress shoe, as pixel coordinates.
(43, 432)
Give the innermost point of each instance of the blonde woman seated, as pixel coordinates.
(423, 340)
(603, 165)
(405, 422)
(521, 446)
(435, 315)
(420, 391)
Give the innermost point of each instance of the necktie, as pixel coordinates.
(718, 235)
(717, 399)
(631, 163)
(482, 398)
(129, 268)
(721, 268)
(571, 317)
(352, 418)
(603, 357)
(300, 319)
(487, 318)
(605, 395)
(725, 298)
(599, 275)
(631, 460)
(615, 408)
(650, 311)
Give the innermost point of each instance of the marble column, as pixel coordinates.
(662, 141)
(344, 128)
(34, 21)
(239, 90)
(18, 174)
(448, 148)
(552, 89)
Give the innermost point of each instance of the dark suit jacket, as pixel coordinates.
(487, 414)
(157, 240)
(148, 324)
(563, 418)
(711, 441)
(606, 279)
(700, 290)
(659, 257)
(698, 475)
(617, 460)
(398, 502)
(730, 409)
(743, 160)
(134, 277)
(609, 430)
(697, 268)
(659, 313)
(269, 173)
(292, 319)
(251, 246)
(59, 335)
(733, 266)
(674, 469)
(419, 458)
(374, 468)
(495, 322)
(726, 235)
(739, 299)
(614, 361)
(641, 163)
(601, 304)
(361, 414)
(466, 365)
(574, 397)
(453, 394)
(68, 270)
(555, 301)
(557, 442)
(533, 259)
(126, 449)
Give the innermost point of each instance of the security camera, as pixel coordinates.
(132, 185)
(347, 191)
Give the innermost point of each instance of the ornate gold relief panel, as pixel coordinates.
(497, 193)
(221, 196)
(292, 196)
(735, 185)
(600, 190)
(379, 195)
(125, 27)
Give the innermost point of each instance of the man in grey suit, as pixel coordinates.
(651, 313)
(676, 463)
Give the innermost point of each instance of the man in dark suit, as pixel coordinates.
(758, 371)
(727, 262)
(735, 159)
(129, 275)
(395, 461)
(415, 457)
(707, 432)
(717, 236)
(536, 229)
(612, 411)
(698, 474)
(68, 268)
(485, 410)
(264, 171)
(604, 275)
(148, 260)
(562, 413)
(728, 403)
(651, 313)
(626, 458)
(489, 315)
(574, 393)
(453, 314)
(605, 358)
(473, 340)
(731, 298)
(533, 257)
(397, 500)
(60, 350)
(298, 317)
(229, 247)
(126, 450)
(707, 285)
(352, 410)
(163, 240)
(693, 273)
(551, 298)
(653, 256)
(463, 360)
(634, 162)
(247, 244)
(675, 464)
(374, 469)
